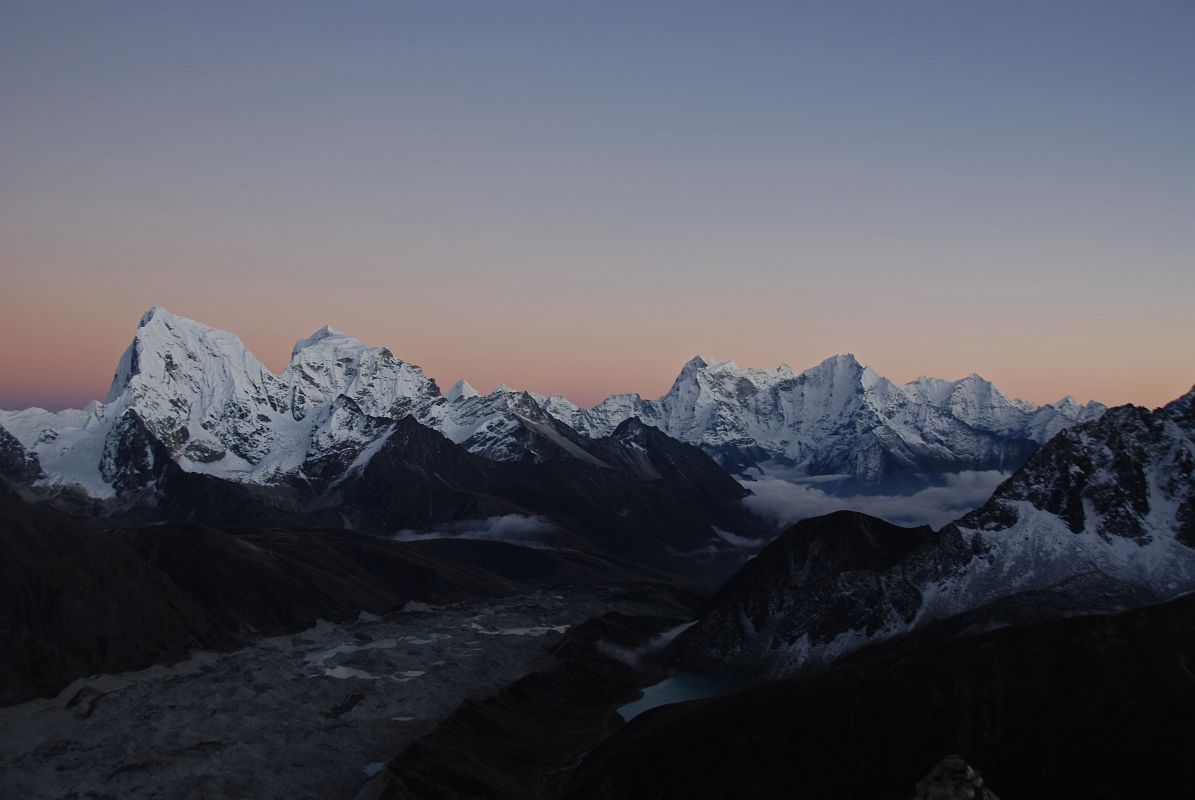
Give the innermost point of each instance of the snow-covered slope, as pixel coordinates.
(200, 391)
(1101, 517)
(508, 426)
(329, 364)
(1123, 486)
(68, 445)
(838, 418)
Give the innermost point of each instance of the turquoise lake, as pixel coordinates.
(681, 687)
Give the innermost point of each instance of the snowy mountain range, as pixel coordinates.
(220, 411)
(839, 418)
(1100, 519)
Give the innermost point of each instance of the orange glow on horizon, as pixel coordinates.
(586, 358)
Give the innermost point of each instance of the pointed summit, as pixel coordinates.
(156, 315)
(691, 372)
(153, 313)
(329, 363)
(840, 361)
(701, 363)
(461, 390)
(843, 371)
(165, 346)
(326, 332)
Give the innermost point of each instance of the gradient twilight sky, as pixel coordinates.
(576, 198)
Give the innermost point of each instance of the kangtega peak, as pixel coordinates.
(220, 411)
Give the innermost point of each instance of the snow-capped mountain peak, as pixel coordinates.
(461, 390)
(326, 332)
(330, 363)
(169, 348)
(196, 388)
(840, 361)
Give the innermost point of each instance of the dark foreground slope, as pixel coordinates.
(74, 602)
(76, 599)
(521, 742)
(256, 580)
(1086, 707)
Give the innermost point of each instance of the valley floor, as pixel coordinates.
(312, 714)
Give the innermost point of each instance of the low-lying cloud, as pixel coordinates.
(786, 502)
(633, 656)
(734, 540)
(512, 528)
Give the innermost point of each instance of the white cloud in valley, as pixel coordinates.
(785, 502)
(518, 529)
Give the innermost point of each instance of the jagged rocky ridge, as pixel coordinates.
(1099, 519)
(839, 418)
(219, 411)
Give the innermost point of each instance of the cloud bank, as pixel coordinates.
(784, 502)
(511, 528)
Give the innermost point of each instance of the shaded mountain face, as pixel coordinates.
(1097, 520)
(1070, 708)
(839, 418)
(824, 587)
(610, 505)
(648, 454)
(16, 463)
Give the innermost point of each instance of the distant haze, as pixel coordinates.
(575, 198)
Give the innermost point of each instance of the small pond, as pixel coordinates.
(681, 687)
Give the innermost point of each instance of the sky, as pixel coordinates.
(575, 198)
